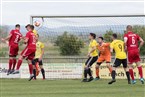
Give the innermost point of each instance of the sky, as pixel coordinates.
(20, 12)
(72, 0)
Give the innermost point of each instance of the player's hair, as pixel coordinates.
(129, 27)
(17, 25)
(101, 37)
(114, 35)
(93, 35)
(31, 26)
(28, 25)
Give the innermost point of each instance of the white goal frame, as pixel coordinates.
(77, 16)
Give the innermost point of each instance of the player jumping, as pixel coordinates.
(29, 51)
(120, 55)
(13, 38)
(105, 55)
(38, 58)
(92, 58)
(131, 41)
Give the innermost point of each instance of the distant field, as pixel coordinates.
(50, 50)
(69, 88)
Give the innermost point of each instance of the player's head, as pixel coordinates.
(17, 26)
(37, 37)
(114, 36)
(92, 36)
(29, 27)
(129, 28)
(100, 39)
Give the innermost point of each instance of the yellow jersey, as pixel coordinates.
(39, 47)
(92, 44)
(35, 32)
(118, 46)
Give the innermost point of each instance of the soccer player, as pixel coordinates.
(38, 57)
(131, 42)
(13, 38)
(29, 51)
(105, 55)
(120, 58)
(92, 57)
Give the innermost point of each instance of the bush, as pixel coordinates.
(69, 44)
(3, 54)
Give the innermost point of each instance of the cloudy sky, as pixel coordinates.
(19, 12)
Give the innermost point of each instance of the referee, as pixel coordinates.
(92, 58)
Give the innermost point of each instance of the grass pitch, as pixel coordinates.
(69, 88)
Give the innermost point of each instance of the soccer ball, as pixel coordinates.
(37, 23)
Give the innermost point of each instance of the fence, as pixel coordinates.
(66, 59)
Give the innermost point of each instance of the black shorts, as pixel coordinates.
(91, 61)
(37, 60)
(118, 62)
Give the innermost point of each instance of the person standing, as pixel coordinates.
(120, 58)
(92, 58)
(131, 42)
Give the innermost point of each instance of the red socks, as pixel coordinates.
(30, 66)
(10, 63)
(131, 73)
(19, 64)
(14, 63)
(140, 71)
(31, 69)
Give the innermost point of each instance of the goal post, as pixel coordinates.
(77, 16)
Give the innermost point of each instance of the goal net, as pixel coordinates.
(66, 38)
(52, 27)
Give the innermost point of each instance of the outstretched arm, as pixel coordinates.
(6, 38)
(111, 50)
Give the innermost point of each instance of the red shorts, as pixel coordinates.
(28, 53)
(13, 50)
(133, 56)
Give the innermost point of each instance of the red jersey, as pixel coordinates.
(15, 37)
(31, 40)
(132, 41)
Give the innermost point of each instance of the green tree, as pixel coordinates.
(3, 33)
(108, 34)
(69, 44)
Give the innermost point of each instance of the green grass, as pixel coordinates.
(69, 88)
